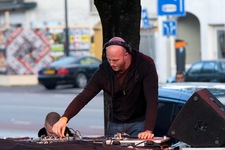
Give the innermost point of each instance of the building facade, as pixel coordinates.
(202, 28)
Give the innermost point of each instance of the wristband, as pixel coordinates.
(64, 118)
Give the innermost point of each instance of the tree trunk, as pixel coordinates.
(119, 18)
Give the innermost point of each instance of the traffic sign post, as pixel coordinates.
(171, 8)
(170, 28)
(145, 19)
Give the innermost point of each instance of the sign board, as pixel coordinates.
(145, 24)
(171, 8)
(170, 28)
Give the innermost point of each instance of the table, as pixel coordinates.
(73, 145)
(57, 143)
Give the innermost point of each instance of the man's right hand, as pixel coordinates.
(60, 127)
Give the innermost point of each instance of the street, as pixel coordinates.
(23, 110)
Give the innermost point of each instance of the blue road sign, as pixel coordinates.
(171, 8)
(170, 28)
(145, 19)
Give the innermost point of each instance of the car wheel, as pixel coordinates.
(81, 80)
(50, 86)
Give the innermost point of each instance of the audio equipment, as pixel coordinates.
(138, 142)
(114, 42)
(200, 122)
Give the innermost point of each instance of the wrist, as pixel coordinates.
(64, 118)
(149, 131)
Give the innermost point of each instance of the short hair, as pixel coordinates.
(118, 41)
(52, 118)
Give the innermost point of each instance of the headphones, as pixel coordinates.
(124, 44)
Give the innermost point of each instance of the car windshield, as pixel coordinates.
(222, 64)
(216, 89)
(64, 61)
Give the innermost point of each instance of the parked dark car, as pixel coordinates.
(206, 71)
(172, 96)
(68, 70)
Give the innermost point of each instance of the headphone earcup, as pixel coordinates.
(129, 49)
(124, 44)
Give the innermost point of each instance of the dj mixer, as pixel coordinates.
(156, 141)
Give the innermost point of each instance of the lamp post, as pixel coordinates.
(66, 45)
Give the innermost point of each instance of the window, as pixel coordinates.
(208, 67)
(10, 1)
(88, 61)
(167, 110)
(196, 68)
(222, 65)
(93, 9)
(221, 43)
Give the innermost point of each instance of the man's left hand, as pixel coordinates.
(146, 135)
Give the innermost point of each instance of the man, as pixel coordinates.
(130, 80)
(180, 76)
(50, 119)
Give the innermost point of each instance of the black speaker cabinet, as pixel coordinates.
(200, 122)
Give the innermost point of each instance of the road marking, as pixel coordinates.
(13, 120)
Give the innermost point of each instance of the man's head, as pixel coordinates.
(118, 54)
(180, 76)
(118, 41)
(50, 120)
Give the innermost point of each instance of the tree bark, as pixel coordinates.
(120, 18)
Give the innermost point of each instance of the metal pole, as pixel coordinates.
(66, 46)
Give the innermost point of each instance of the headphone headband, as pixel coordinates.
(120, 43)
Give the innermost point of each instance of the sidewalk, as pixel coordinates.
(18, 80)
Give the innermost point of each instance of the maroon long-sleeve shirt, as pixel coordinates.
(137, 100)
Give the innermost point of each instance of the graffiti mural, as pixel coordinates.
(2, 53)
(27, 51)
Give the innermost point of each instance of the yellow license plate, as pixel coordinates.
(49, 71)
